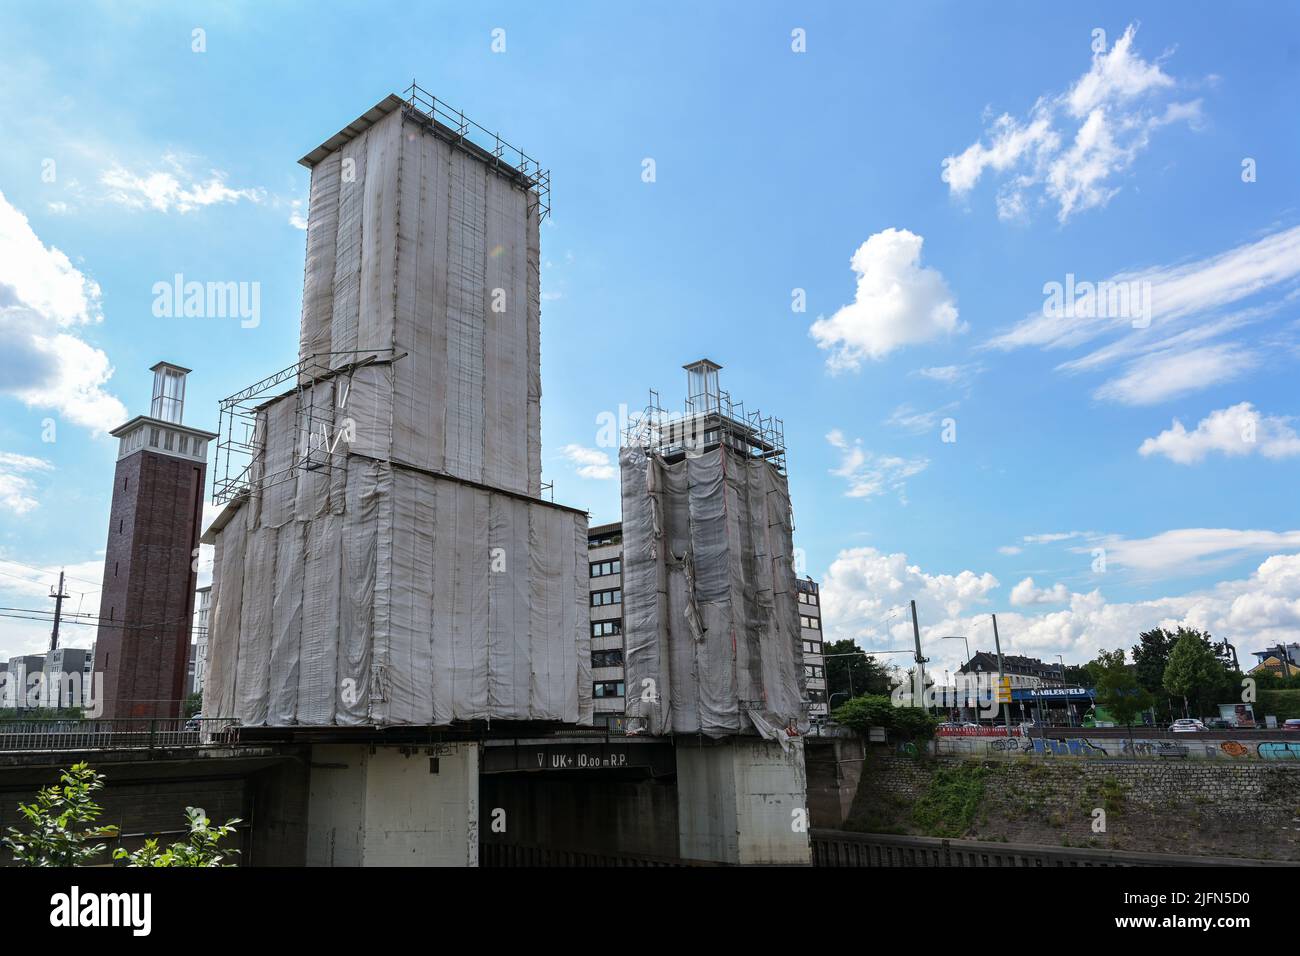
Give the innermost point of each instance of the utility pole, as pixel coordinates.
(997, 643)
(59, 598)
(920, 661)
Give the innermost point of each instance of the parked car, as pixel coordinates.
(1217, 723)
(194, 722)
(1186, 725)
(1291, 724)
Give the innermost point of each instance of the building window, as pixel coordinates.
(806, 597)
(607, 688)
(814, 671)
(167, 439)
(812, 647)
(607, 658)
(615, 537)
(183, 444)
(603, 598)
(199, 448)
(810, 622)
(153, 438)
(600, 569)
(606, 628)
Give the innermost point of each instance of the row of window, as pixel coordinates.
(602, 598)
(807, 598)
(812, 647)
(606, 658)
(814, 671)
(607, 688)
(600, 569)
(811, 622)
(613, 537)
(606, 628)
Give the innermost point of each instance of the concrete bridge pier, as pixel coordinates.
(393, 805)
(742, 801)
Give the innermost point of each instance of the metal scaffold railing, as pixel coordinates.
(707, 421)
(457, 127)
(239, 465)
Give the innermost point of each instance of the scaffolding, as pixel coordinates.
(707, 421)
(425, 109)
(239, 465)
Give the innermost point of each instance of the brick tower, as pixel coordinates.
(150, 560)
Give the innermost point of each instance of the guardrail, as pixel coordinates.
(128, 733)
(845, 848)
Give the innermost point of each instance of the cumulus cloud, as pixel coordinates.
(172, 188)
(1027, 593)
(898, 302)
(590, 462)
(865, 593)
(1235, 431)
(44, 361)
(1072, 145)
(17, 489)
(870, 475)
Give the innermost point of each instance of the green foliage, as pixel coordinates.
(60, 834)
(1282, 704)
(1194, 671)
(878, 710)
(1117, 686)
(193, 704)
(199, 850)
(950, 805)
(851, 676)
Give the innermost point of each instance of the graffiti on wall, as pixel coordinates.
(1279, 750)
(1049, 747)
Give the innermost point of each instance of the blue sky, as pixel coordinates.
(920, 171)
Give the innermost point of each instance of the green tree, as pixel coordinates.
(60, 833)
(199, 850)
(878, 710)
(193, 704)
(1118, 688)
(1194, 671)
(855, 674)
(1150, 658)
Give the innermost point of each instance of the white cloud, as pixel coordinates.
(1235, 431)
(174, 188)
(865, 593)
(1111, 110)
(869, 475)
(951, 374)
(17, 489)
(1028, 593)
(1174, 351)
(296, 217)
(1188, 551)
(898, 302)
(1165, 375)
(917, 422)
(590, 462)
(43, 298)
(1010, 549)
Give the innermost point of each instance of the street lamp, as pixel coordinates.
(1069, 717)
(962, 638)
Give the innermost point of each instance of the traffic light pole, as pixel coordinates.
(997, 643)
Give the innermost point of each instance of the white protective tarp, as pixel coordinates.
(418, 246)
(425, 600)
(710, 621)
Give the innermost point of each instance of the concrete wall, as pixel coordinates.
(1233, 808)
(834, 767)
(743, 801)
(394, 806)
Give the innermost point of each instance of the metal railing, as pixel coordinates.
(126, 733)
(844, 848)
